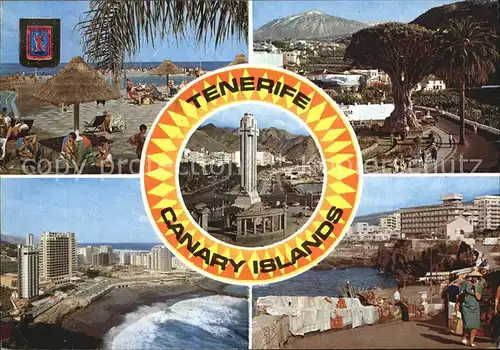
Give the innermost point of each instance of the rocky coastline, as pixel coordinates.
(406, 259)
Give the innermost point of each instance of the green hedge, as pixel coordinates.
(449, 101)
(446, 100)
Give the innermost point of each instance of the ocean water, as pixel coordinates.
(123, 246)
(201, 322)
(310, 188)
(12, 68)
(316, 283)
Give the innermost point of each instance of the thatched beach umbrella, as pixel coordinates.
(74, 84)
(239, 59)
(167, 68)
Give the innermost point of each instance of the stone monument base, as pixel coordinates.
(246, 200)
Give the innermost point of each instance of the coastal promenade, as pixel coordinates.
(84, 297)
(430, 333)
(479, 154)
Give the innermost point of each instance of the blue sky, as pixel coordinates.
(71, 11)
(97, 210)
(385, 193)
(362, 11)
(267, 116)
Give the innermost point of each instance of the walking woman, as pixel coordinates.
(470, 295)
(496, 316)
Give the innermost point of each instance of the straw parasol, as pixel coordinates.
(167, 68)
(239, 59)
(74, 84)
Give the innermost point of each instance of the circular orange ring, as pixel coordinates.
(243, 265)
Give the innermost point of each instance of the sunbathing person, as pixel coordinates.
(105, 158)
(105, 126)
(28, 148)
(16, 129)
(69, 149)
(3, 137)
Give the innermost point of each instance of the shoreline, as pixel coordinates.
(91, 326)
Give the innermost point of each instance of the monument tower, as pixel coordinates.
(248, 133)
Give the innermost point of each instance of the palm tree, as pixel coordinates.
(113, 29)
(467, 55)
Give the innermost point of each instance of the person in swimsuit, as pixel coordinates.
(105, 158)
(3, 137)
(139, 139)
(28, 148)
(70, 146)
(105, 126)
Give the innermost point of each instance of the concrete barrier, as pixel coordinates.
(369, 149)
(270, 332)
(487, 131)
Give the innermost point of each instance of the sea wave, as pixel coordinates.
(204, 322)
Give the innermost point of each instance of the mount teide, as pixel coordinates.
(309, 25)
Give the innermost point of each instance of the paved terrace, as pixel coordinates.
(429, 333)
(51, 124)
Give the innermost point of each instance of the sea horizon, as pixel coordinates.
(122, 245)
(11, 68)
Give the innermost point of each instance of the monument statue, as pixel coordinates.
(248, 133)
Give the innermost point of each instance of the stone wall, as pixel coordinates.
(270, 332)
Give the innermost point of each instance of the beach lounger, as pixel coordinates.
(94, 125)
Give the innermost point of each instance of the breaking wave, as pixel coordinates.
(205, 322)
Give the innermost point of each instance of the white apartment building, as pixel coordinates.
(364, 228)
(101, 259)
(140, 259)
(265, 158)
(391, 222)
(368, 233)
(177, 264)
(28, 272)
(483, 213)
(267, 59)
(30, 240)
(109, 250)
(124, 258)
(220, 158)
(292, 57)
(86, 252)
(58, 257)
(488, 212)
(161, 258)
(197, 157)
(235, 158)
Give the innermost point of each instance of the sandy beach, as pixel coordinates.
(87, 328)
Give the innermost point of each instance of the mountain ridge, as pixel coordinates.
(273, 140)
(308, 25)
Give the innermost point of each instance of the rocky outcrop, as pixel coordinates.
(409, 260)
(56, 313)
